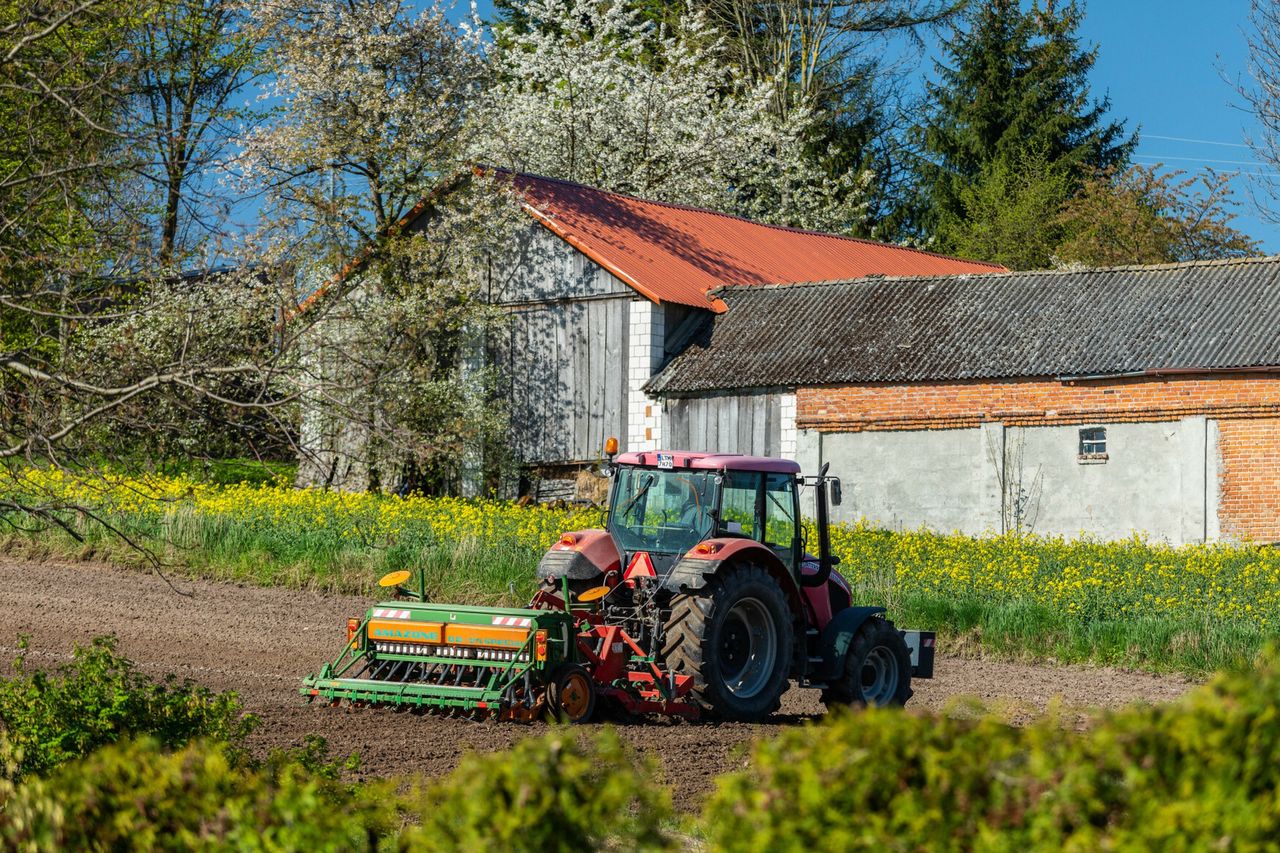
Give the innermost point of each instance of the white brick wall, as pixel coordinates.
(646, 335)
(787, 436)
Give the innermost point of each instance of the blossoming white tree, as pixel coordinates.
(593, 93)
(371, 112)
(364, 170)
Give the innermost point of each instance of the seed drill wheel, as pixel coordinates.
(735, 637)
(877, 669)
(571, 694)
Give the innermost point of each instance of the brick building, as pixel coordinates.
(1106, 402)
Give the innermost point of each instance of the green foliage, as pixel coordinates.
(1200, 774)
(1140, 216)
(1013, 81)
(139, 796)
(555, 793)
(229, 472)
(98, 698)
(59, 87)
(558, 792)
(1008, 212)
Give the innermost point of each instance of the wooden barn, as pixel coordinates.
(605, 290)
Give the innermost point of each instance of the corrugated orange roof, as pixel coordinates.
(673, 253)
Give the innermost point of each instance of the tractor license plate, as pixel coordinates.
(666, 461)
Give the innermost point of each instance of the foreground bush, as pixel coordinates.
(139, 796)
(98, 698)
(1200, 774)
(555, 793)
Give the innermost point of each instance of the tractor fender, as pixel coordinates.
(839, 633)
(701, 563)
(580, 555)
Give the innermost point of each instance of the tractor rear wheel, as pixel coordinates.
(877, 669)
(735, 637)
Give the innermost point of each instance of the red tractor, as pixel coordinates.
(698, 598)
(703, 563)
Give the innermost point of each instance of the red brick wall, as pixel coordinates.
(1246, 407)
(1249, 471)
(1029, 402)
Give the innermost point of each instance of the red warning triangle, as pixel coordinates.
(640, 567)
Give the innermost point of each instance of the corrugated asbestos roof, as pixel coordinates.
(1123, 320)
(672, 253)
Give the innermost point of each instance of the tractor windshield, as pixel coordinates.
(667, 512)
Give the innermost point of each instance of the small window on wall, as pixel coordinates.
(1093, 445)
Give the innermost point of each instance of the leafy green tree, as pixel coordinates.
(1008, 213)
(1144, 216)
(1012, 81)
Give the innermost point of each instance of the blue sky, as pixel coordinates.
(1163, 63)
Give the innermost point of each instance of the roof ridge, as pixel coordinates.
(880, 277)
(789, 228)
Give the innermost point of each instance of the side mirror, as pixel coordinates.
(835, 493)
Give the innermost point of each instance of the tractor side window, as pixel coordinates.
(739, 507)
(780, 515)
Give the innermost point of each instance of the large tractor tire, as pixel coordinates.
(735, 637)
(877, 669)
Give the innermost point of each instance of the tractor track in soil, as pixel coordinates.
(260, 641)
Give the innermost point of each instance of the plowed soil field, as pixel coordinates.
(260, 641)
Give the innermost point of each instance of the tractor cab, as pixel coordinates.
(664, 504)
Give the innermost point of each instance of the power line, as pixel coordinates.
(1204, 160)
(1197, 141)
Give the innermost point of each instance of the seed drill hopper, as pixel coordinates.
(698, 598)
(510, 662)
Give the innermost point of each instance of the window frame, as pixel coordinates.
(1091, 444)
(762, 503)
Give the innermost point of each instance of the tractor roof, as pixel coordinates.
(711, 461)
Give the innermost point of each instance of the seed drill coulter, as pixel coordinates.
(698, 598)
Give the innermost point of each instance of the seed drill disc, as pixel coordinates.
(394, 578)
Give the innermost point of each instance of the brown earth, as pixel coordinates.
(260, 641)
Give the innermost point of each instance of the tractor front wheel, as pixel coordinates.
(735, 637)
(876, 671)
(571, 694)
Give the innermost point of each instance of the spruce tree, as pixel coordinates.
(1012, 82)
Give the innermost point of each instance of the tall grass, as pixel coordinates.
(1132, 603)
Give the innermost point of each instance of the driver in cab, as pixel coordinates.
(695, 513)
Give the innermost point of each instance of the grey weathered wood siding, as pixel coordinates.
(725, 423)
(562, 353)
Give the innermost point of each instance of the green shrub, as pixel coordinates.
(1199, 774)
(99, 698)
(136, 795)
(558, 792)
(554, 793)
